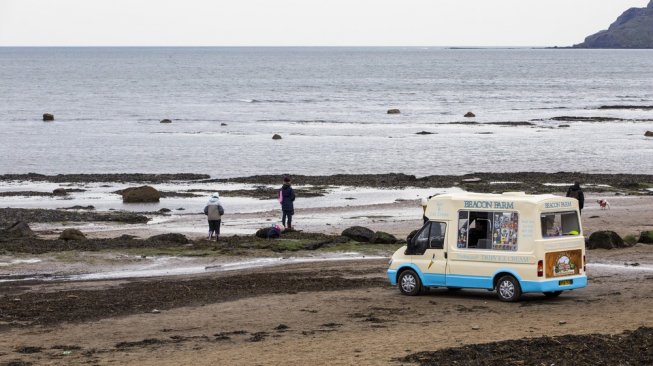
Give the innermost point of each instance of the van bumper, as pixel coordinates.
(554, 285)
(392, 276)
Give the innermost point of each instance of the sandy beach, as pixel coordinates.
(335, 309)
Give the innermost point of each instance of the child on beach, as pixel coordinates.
(214, 211)
(286, 199)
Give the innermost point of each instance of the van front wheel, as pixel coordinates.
(409, 283)
(508, 289)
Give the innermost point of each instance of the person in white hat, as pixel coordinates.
(214, 211)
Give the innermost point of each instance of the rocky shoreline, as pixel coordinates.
(530, 182)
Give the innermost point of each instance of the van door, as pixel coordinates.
(428, 253)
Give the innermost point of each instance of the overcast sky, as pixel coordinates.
(305, 22)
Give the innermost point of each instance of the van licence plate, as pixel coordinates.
(565, 282)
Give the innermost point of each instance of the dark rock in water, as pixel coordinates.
(646, 237)
(381, 237)
(19, 229)
(164, 210)
(585, 119)
(59, 192)
(394, 111)
(276, 137)
(223, 124)
(78, 207)
(166, 121)
(72, 234)
(563, 126)
(48, 117)
(359, 233)
(424, 133)
(605, 240)
(171, 238)
(142, 194)
(648, 134)
(633, 29)
(645, 107)
(469, 115)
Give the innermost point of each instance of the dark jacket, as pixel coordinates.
(288, 195)
(577, 193)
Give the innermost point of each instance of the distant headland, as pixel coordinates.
(633, 29)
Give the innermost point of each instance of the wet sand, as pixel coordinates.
(332, 312)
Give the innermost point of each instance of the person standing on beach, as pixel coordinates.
(576, 192)
(214, 211)
(286, 199)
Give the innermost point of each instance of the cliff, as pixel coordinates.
(633, 29)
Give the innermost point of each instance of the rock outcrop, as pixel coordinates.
(359, 234)
(605, 240)
(19, 229)
(140, 194)
(72, 234)
(633, 29)
(48, 117)
(394, 111)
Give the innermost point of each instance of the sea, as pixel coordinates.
(329, 105)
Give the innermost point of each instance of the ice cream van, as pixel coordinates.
(513, 243)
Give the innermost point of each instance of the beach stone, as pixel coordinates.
(646, 237)
(381, 237)
(59, 192)
(605, 240)
(469, 115)
(648, 134)
(276, 137)
(165, 121)
(140, 194)
(223, 124)
(170, 238)
(359, 234)
(48, 117)
(424, 133)
(394, 111)
(19, 229)
(72, 234)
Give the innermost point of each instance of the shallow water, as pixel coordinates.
(329, 104)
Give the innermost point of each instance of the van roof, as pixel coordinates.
(512, 196)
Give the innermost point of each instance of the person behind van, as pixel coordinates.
(214, 211)
(424, 202)
(287, 199)
(576, 192)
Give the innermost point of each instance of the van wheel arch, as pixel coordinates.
(507, 286)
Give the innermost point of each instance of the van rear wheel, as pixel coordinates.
(508, 289)
(409, 283)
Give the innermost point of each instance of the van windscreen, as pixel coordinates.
(557, 224)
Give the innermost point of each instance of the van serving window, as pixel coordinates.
(557, 224)
(488, 230)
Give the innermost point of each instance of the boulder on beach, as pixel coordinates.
(381, 237)
(276, 137)
(648, 134)
(646, 237)
(59, 192)
(72, 234)
(48, 117)
(605, 240)
(469, 115)
(359, 233)
(170, 238)
(165, 121)
(393, 111)
(19, 229)
(223, 124)
(142, 194)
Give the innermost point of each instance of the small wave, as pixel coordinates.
(264, 101)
